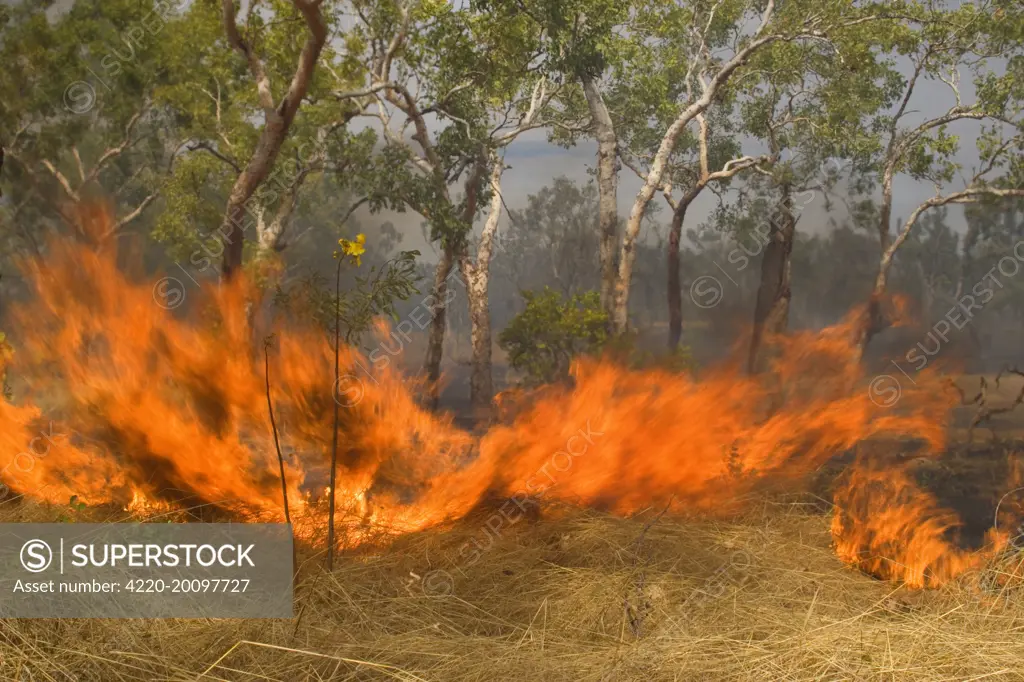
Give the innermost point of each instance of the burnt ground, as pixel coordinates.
(971, 475)
(968, 478)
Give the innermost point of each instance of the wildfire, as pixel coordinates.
(169, 408)
(140, 504)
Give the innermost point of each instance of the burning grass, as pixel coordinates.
(574, 595)
(165, 414)
(165, 408)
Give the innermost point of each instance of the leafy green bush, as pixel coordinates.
(542, 340)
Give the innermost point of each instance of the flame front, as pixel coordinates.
(157, 409)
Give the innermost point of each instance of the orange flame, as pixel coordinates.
(166, 408)
(888, 527)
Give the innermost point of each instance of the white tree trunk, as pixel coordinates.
(477, 276)
(607, 186)
(655, 175)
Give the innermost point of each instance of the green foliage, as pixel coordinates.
(552, 330)
(543, 339)
(312, 297)
(211, 94)
(73, 512)
(193, 198)
(471, 71)
(580, 40)
(79, 105)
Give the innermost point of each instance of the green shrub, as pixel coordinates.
(542, 341)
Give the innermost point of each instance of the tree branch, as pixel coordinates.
(256, 67)
(204, 145)
(65, 185)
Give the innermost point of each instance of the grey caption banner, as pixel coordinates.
(145, 570)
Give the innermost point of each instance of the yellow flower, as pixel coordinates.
(354, 249)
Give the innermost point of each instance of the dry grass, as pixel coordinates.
(573, 596)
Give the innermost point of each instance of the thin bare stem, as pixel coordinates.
(273, 427)
(334, 435)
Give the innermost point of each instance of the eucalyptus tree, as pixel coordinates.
(726, 25)
(257, 129)
(807, 111)
(651, 80)
(597, 46)
(467, 84)
(587, 43)
(237, 117)
(278, 112)
(79, 118)
(941, 42)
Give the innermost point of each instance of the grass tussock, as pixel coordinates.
(572, 596)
